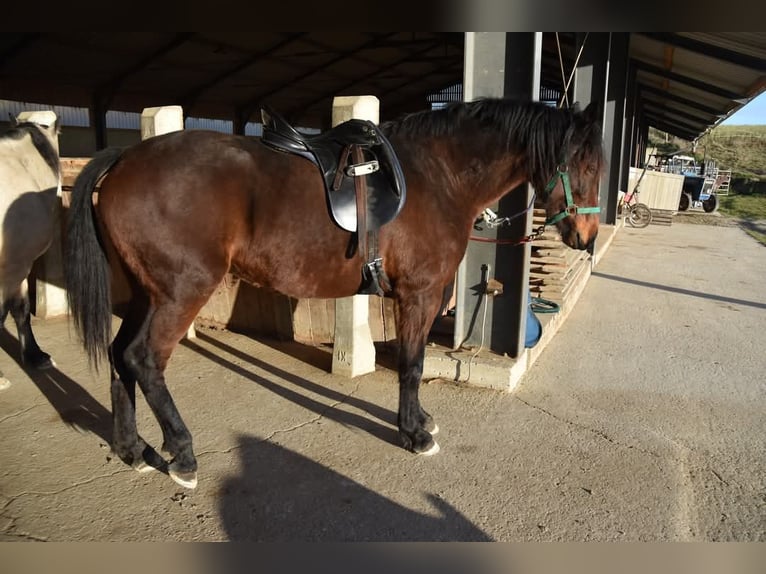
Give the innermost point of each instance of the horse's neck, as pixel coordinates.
(480, 181)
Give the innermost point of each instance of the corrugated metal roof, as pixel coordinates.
(687, 81)
(71, 116)
(68, 116)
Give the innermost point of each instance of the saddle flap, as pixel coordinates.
(386, 189)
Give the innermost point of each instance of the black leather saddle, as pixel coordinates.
(353, 149)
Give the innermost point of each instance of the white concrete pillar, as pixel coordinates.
(158, 121)
(353, 349)
(50, 295)
(161, 120)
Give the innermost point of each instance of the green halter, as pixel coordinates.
(571, 207)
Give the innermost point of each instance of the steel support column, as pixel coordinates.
(498, 64)
(614, 124)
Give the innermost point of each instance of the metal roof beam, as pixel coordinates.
(414, 41)
(676, 112)
(676, 121)
(672, 122)
(246, 109)
(672, 130)
(188, 99)
(679, 99)
(106, 90)
(366, 77)
(676, 77)
(706, 49)
(19, 46)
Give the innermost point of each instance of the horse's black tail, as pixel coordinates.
(86, 268)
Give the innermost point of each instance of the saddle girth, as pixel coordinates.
(374, 278)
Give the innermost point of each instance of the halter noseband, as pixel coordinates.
(562, 171)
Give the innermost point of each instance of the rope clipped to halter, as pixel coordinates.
(562, 172)
(492, 220)
(571, 208)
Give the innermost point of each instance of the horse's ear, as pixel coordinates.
(592, 113)
(12, 120)
(576, 108)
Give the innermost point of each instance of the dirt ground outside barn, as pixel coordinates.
(642, 420)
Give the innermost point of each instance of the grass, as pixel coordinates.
(747, 208)
(743, 206)
(757, 235)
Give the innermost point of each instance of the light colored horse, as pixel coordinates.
(30, 187)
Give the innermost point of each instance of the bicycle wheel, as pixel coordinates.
(640, 215)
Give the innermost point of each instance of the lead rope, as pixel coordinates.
(492, 220)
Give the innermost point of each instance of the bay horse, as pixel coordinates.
(183, 209)
(29, 190)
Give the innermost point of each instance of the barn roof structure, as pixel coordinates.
(687, 82)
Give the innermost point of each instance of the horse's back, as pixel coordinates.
(184, 188)
(223, 200)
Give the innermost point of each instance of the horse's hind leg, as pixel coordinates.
(4, 383)
(415, 316)
(148, 356)
(31, 354)
(126, 443)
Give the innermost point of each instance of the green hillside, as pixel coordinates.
(739, 148)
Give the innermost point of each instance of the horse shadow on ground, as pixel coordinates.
(385, 430)
(320, 356)
(680, 290)
(281, 496)
(74, 405)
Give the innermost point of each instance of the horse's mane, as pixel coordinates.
(535, 128)
(42, 144)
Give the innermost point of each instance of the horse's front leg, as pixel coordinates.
(4, 383)
(31, 354)
(416, 314)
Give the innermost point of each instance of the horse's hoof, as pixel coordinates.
(421, 443)
(147, 461)
(4, 383)
(185, 479)
(47, 364)
(428, 423)
(41, 362)
(143, 467)
(430, 451)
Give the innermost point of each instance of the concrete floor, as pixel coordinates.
(643, 419)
